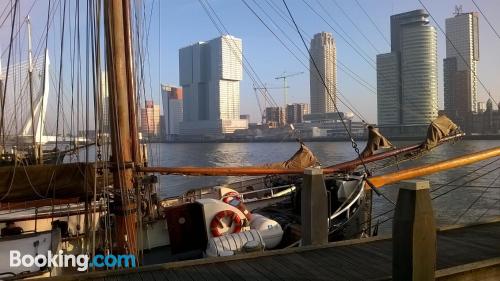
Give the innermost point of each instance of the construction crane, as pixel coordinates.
(284, 76)
(266, 96)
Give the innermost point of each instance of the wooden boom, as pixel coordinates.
(220, 171)
(379, 181)
(263, 171)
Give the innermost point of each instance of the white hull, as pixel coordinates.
(27, 244)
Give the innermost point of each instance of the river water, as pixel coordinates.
(471, 197)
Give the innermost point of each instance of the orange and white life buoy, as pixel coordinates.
(234, 199)
(216, 222)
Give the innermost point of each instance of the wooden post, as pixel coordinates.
(314, 208)
(414, 233)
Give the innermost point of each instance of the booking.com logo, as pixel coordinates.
(81, 262)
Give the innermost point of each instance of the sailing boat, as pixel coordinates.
(111, 206)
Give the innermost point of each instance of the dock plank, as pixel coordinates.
(349, 260)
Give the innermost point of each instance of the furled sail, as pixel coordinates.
(303, 158)
(33, 182)
(375, 142)
(440, 128)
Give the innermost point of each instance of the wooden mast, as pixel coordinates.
(122, 135)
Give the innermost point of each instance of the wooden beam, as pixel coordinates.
(429, 169)
(263, 171)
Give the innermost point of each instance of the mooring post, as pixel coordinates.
(314, 208)
(414, 233)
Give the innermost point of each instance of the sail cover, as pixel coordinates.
(303, 158)
(33, 182)
(375, 142)
(440, 128)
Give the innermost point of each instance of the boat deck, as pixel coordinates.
(461, 249)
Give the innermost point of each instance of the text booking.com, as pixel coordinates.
(81, 262)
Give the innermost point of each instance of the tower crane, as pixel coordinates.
(284, 76)
(266, 96)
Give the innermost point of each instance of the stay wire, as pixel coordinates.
(464, 184)
(463, 176)
(383, 76)
(486, 19)
(458, 52)
(477, 199)
(353, 142)
(373, 23)
(337, 63)
(249, 70)
(2, 128)
(300, 61)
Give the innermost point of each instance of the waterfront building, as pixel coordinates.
(407, 76)
(330, 125)
(275, 116)
(210, 74)
(172, 110)
(460, 66)
(295, 112)
(323, 51)
(245, 117)
(150, 120)
(486, 121)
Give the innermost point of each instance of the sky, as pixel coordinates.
(174, 24)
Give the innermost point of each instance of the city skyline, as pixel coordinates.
(268, 56)
(441, 10)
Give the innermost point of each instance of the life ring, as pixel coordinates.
(234, 199)
(230, 196)
(216, 222)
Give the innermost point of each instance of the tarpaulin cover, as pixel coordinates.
(440, 128)
(303, 158)
(375, 142)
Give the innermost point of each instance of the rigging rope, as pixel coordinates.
(477, 199)
(463, 176)
(2, 104)
(353, 142)
(458, 52)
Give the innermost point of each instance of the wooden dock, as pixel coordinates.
(471, 252)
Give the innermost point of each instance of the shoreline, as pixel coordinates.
(322, 139)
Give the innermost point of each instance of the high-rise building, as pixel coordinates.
(275, 116)
(210, 74)
(172, 110)
(295, 112)
(150, 120)
(323, 52)
(407, 76)
(460, 65)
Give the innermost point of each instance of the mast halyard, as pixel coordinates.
(121, 131)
